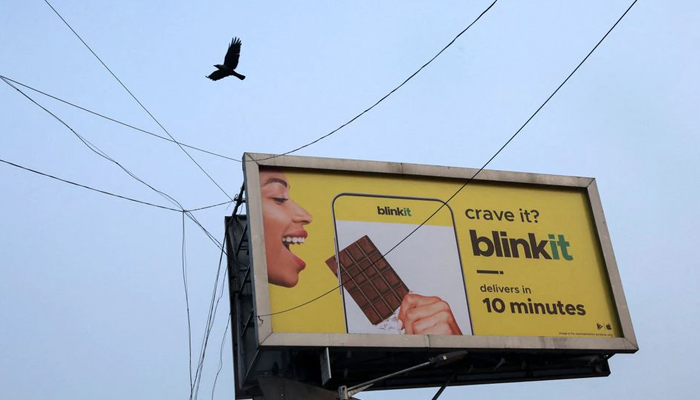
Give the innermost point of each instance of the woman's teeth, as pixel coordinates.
(293, 240)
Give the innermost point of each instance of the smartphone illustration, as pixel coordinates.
(387, 246)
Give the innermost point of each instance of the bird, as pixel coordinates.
(230, 62)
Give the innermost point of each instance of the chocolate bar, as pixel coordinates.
(371, 281)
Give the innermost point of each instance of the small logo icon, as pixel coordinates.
(608, 327)
(599, 326)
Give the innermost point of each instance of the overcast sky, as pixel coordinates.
(92, 304)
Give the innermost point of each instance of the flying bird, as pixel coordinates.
(230, 62)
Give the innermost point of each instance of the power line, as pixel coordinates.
(94, 148)
(184, 256)
(184, 263)
(221, 356)
(385, 96)
(102, 154)
(469, 180)
(106, 192)
(187, 297)
(137, 100)
(117, 121)
(210, 206)
(88, 187)
(211, 317)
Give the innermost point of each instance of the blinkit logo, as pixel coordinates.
(500, 245)
(398, 211)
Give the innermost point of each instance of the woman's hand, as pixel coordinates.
(428, 315)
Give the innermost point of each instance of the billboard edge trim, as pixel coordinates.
(381, 167)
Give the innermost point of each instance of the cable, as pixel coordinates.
(385, 96)
(211, 206)
(102, 154)
(117, 121)
(105, 192)
(88, 187)
(444, 385)
(469, 180)
(212, 311)
(93, 147)
(221, 356)
(211, 316)
(137, 100)
(187, 297)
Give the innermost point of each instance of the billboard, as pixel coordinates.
(500, 258)
(358, 254)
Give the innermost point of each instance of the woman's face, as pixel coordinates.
(283, 221)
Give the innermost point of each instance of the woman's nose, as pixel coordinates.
(301, 215)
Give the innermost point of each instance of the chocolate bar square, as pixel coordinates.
(369, 278)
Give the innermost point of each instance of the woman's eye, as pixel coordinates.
(280, 200)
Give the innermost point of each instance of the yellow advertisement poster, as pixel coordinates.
(385, 254)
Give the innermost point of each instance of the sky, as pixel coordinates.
(92, 301)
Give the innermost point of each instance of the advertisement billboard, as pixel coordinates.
(498, 259)
(357, 254)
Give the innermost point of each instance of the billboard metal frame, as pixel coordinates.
(258, 350)
(266, 337)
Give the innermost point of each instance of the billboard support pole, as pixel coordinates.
(444, 385)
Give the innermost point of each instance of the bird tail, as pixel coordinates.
(237, 75)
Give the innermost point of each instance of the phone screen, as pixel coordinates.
(418, 240)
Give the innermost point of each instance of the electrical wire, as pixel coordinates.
(137, 100)
(102, 154)
(117, 121)
(385, 96)
(211, 206)
(187, 297)
(93, 148)
(211, 317)
(88, 187)
(471, 179)
(221, 356)
(106, 192)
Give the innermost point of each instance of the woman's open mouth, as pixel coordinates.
(295, 237)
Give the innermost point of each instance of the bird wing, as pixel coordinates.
(234, 51)
(218, 74)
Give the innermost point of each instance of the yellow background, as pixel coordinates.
(561, 211)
